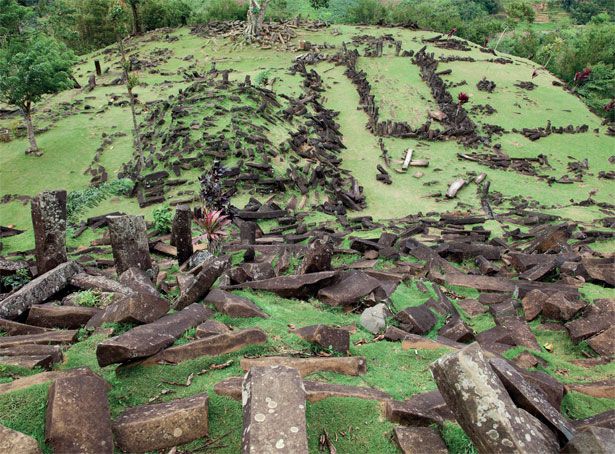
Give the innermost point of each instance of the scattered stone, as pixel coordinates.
(559, 307)
(48, 338)
(327, 337)
(472, 307)
(274, 411)
(350, 365)
(416, 320)
(456, 330)
(233, 305)
(137, 280)
(373, 319)
(15, 328)
(596, 318)
(211, 271)
(533, 303)
(419, 440)
(49, 223)
(602, 389)
(594, 440)
(420, 410)
(296, 286)
(12, 441)
(604, 343)
(100, 283)
(317, 258)
(129, 243)
(137, 308)
(67, 317)
(211, 328)
(350, 289)
(161, 426)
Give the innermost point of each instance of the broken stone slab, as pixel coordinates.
(36, 379)
(349, 365)
(353, 287)
(137, 280)
(233, 305)
(49, 338)
(456, 330)
(147, 340)
(181, 233)
(209, 346)
(66, 317)
(596, 318)
(317, 257)
(15, 328)
(38, 290)
(137, 308)
(520, 332)
(78, 418)
(54, 352)
(601, 270)
(49, 224)
(211, 328)
(559, 307)
(532, 400)
(416, 342)
(296, 286)
(86, 281)
(601, 389)
(161, 426)
(255, 271)
(420, 410)
(416, 320)
(28, 361)
(533, 303)
(484, 409)
(12, 441)
(594, 440)
(604, 419)
(419, 440)
(129, 243)
(604, 343)
(10, 267)
(472, 307)
(273, 411)
(211, 271)
(373, 319)
(327, 337)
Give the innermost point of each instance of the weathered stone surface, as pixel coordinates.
(456, 330)
(373, 319)
(317, 258)
(526, 360)
(136, 308)
(10, 267)
(296, 286)
(233, 305)
(484, 409)
(420, 410)
(602, 389)
(147, 340)
(78, 418)
(211, 328)
(136, 279)
(419, 440)
(67, 317)
(604, 419)
(532, 400)
(15, 442)
(209, 346)
(594, 440)
(472, 307)
(256, 271)
(101, 283)
(49, 223)
(181, 233)
(533, 303)
(416, 320)
(350, 289)
(161, 426)
(559, 307)
(604, 343)
(247, 232)
(38, 290)
(49, 338)
(212, 270)
(602, 270)
(551, 388)
(326, 337)
(596, 318)
(520, 331)
(37, 379)
(315, 390)
(129, 242)
(349, 365)
(15, 328)
(54, 352)
(494, 336)
(416, 342)
(273, 411)
(28, 361)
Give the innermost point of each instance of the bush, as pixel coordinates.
(163, 219)
(78, 201)
(521, 10)
(599, 89)
(366, 12)
(220, 10)
(164, 13)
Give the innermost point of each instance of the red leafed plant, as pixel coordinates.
(213, 224)
(582, 76)
(463, 97)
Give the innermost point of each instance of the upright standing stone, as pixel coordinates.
(129, 242)
(273, 411)
(78, 418)
(247, 232)
(49, 222)
(181, 233)
(484, 409)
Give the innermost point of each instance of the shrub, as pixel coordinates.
(521, 10)
(220, 10)
(366, 12)
(78, 201)
(88, 298)
(164, 13)
(163, 219)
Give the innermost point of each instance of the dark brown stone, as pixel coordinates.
(211, 271)
(181, 233)
(67, 317)
(257, 271)
(297, 286)
(78, 418)
(604, 389)
(348, 365)
(15, 328)
(101, 283)
(551, 388)
(129, 242)
(317, 258)
(147, 340)
(601, 270)
(419, 440)
(233, 305)
(472, 307)
(136, 279)
(594, 440)
(351, 289)
(54, 337)
(559, 307)
(15, 442)
(53, 351)
(604, 343)
(456, 329)
(520, 332)
(604, 419)
(327, 337)
(49, 223)
(596, 318)
(416, 320)
(420, 410)
(211, 328)
(161, 426)
(533, 303)
(137, 308)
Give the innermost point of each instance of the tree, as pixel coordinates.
(255, 17)
(14, 20)
(521, 10)
(30, 67)
(136, 23)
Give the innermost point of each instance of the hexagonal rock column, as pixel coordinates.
(161, 426)
(78, 418)
(181, 233)
(273, 411)
(484, 409)
(129, 243)
(49, 222)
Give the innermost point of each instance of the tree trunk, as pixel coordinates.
(255, 18)
(136, 26)
(27, 115)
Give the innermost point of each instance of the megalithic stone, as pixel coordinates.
(273, 411)
(129, 243)
(484, 409)
(181, 233)
(247, 232)
(49, 222)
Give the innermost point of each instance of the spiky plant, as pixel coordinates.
(213, 225)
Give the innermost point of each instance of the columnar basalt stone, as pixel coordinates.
(317, 258)
(38, 290)
(67, 317)
(137, 308)
(181, 233)
(129, 242)
(212, 270)
(78, 418)
(147, 340)
(419, 440)
(49, 222)
(12, 441)
(273, 411)
(137, 280)
(233, 305)
(247, 232)
(161, 426)
(350, 365)
(327, 337)
(484, 409)
(594, 440)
